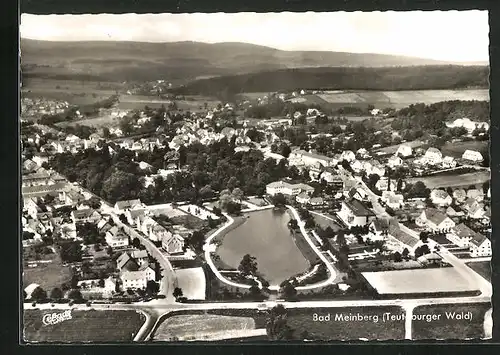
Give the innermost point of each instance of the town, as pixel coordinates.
(131, 219)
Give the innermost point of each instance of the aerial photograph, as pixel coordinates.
(255, 177)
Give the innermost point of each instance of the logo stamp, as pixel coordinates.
(54, 318)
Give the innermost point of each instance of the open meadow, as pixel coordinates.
(84, 326)
(457, 149)
(48, 275)
(459, 180)
(447, 328)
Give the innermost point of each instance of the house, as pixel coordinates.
(29, 166)
(434, 220)
(288, 189)
(440, 198)
(356, 166)
(39, 178)
(476, 211)
(466, 123)
(115, 238)
(433, 156)
(29, 289)
(132, 215)
(374, 167)
(140, 256)
(430, 259)
(378, 229)
(460, 235)
(362, 153)
(404, 150)
(145, 223)
(355, 213)
(126, 263)
(303, 198)
(392, 200)
(71, 197)
(449, 162)
(173, 244)
(473, 156)
(476, 194)
(121, 206)
(109, 286)
(394, 161)
(157, 232)
(403, 239)
(450, 211)
(332, 179)
(302, 157)
(356, 192)
(383, 184)
(85, 215)
(137, 279)
(348, 155)
(480, 246)
(459, 195)
(316, 202)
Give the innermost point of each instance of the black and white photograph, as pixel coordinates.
(255, 177)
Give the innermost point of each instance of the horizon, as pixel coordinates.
(460, 36)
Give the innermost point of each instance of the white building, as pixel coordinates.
(355, 213)
(301, 157)
(440, 198)
(348, 155)
(115, 238)
(394, 161)
(434, 220)
(432, 156)
(460, 235)
(472, 155)
(404, 150)
(138, 279)
(480, 246)
(282, 187)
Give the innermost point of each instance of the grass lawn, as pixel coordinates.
(325, 222)
(47, 275)
(305, 248)
(457, 149)
(202, 327)
(459, 180)
(258, 201)
(85, 326)
(372, 328)
(189, 221)
(97, 122)
(483, 268)
(445, 328)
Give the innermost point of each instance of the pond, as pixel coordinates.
(265, 235)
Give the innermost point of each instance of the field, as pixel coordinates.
(85, 326)
(399, 99)
(98, 122)
(483, 268)
(457, 149)
(258, 201)
(447, 329)
(394, 148)
(204, 327)
(47, 275)
(324, 222)
(191, 103)
(192, 282)
(372, 327)
(410, 281)
(461, 180)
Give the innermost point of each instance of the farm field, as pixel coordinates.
(400, 99)
(447, 329)
(457, 149)
(372, 327)
(47, 275)
(98, 122)
(205, 327)
(394, 148)
(85, 326)
(483, 268)
(461, 180)
(410, 281)
(192, 282)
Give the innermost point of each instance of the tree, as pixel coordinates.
(101, 283)
(397, 257)
(293, 224)
(75, 295)
(177, 293)
(109, 251)
(237, 194)
(276, 324)
(405, 253)
(56, 294)
(288, 291)
(423, 236)
(310, 223)
(196, 240)
(341, 238)
(233, 208)
(39, 294)
(278, 200)
(136, 243)
(255, 292)
(123, 219)
(248, 265)
(152, 287)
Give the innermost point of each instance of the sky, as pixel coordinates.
(460, 36)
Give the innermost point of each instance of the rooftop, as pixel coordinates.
(358, 208)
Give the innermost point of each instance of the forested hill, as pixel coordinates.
(341, 78)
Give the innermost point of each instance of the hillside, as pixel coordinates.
(395, 78)
(179, 61)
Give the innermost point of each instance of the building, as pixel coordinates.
(473, 156)
(355, 213)
(403, 240)
(355, 192)
(121, 206)
(392, 200)
(374, 167)
(440, 198)
(173, 244)
(476, 194)
(138, 279)
(459, 195)
(39, 178)
(285, 188)
(302, 157)
(115, 238)
(394, 161)
(378, 229)
(126, 263)
(140, 256)
(432, 156)
(461, 235)
(332, 179)
(434, 220)
(480, 246)
(404, 150)
(449, 162)
(85, 215)
(348, 155)
(430, 259)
